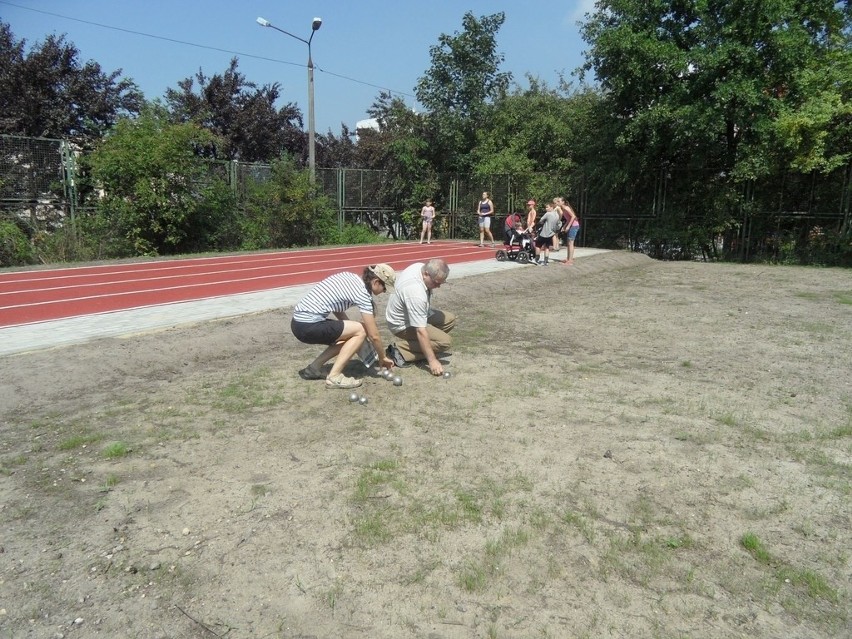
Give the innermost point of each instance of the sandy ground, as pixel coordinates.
(626, 448)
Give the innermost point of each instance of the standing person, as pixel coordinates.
(421, 329)
(485, 212)
(311, 323)
(428, 215)
(571, 226)
(532, 214)
(550, 224)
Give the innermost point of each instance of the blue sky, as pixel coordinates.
(362, 46)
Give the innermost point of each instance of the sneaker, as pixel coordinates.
(341, 381)
(395, 356)
(309, 372)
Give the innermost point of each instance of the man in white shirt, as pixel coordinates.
(421, 329)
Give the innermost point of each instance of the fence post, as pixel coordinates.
(69, 183)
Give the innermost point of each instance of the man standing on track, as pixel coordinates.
(311, 323)
(421, 329)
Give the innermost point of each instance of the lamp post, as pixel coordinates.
(312, 151)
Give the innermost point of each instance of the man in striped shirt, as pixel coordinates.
(311, 323)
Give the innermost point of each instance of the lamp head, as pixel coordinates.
(264, 22)
(316, 24)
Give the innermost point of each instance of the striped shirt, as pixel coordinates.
(334, 294)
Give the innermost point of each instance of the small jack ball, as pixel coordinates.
(397, 381)
(362, 400)
(447, 375)
(353, 397)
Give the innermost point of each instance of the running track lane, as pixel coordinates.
(40, 295)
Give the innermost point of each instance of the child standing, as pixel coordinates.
(550, 224)
(428, 215)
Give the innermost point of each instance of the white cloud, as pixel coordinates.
(581, 8)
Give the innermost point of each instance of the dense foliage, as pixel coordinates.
(47, 92)
(158, 197)
(242, 116)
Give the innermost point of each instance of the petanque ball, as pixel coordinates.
(446, 374)
(362, 400)
(397, 381)
(353, 397)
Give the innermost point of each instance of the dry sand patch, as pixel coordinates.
(625, 448)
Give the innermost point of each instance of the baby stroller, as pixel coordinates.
(517, 245)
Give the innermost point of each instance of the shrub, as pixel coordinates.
(15, 246)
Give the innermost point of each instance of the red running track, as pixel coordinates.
(48, 294)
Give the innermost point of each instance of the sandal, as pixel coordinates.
(341, 381)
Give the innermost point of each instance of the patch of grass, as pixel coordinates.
(728, 419)
(260, 490)
(378, 474)
(247, 392)
(583, 525)
(109, 483)
(7, 465)
(116, 450)
(76, 441)
(374, 527)
(755, 547)
(677, 542)
(475, 575)
(843, 297)
(470, 506)
(331, 596)
(473, 578)
(814, 584)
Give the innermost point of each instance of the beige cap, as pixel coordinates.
(385, 273)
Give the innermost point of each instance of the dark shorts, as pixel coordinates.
(542, 242)
(326, 332)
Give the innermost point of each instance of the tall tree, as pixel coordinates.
(738, 85)
(462, 81)
(399, 148)
(336, 151)
(242, 116)
(47, 92)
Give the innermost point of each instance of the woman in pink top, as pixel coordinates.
(572, 227)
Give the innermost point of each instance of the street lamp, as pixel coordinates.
(312, 151)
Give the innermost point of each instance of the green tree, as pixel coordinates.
(47, 92)
(714, 95)
(463, 80)
(159, 196)
(399, 148)
(529, 131)
(742, 86)
(282, 210)
(242, 116)
(336, 151)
